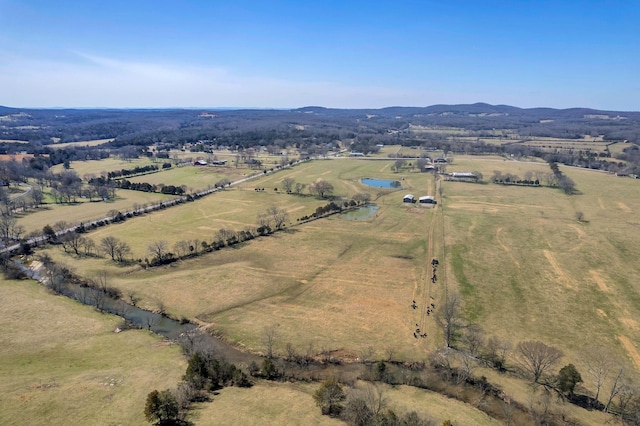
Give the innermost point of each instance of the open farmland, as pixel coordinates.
(595, 145)
(365, 273)
(97, 167)
(282, 403)
(194, 178)
(85, 210)
(95, 142)
(525, 267)
(61, 362)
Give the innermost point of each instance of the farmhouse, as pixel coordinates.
(409, 198)
(427, 199)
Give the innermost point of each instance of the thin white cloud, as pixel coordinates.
(98, 81)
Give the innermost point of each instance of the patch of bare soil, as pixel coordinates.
(558, 270)
(598, 279)
(624, 207)
(631, 350)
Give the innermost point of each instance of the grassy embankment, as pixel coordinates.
(61, 362)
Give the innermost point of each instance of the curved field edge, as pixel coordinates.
(61, 362)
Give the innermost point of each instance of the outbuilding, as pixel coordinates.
(409, 198)
(427, 199)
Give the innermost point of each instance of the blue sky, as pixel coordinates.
(346, 54)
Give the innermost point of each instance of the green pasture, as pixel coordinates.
(61, 362)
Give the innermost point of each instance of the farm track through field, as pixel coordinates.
(427, 299)
(505, 247)
(558, 270)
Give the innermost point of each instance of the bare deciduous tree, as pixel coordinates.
(225, 235)
(89, 246)
(473, 338)
(448, 318)
(263, 220)
(537, 358)
(497, 350)
(599, 363)
(278, 216)
(362, 197)
(181, 248)
(109, 245)
(321, 188)
(270, 334)
(287, 184)
(158, 249)
(299, 188)
(616, 386)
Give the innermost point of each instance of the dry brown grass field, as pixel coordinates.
(84, 210)
(194, 178)
(288, 403)
(94, 142)
(525, 267)
(365, 273)
(96, 167)
(61, 362)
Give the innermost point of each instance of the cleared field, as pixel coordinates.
(85, 210)
(61, 362)
(96, 167)
(364, 273)
(285, 403)
(527, 269)
(194, 178)
(94, 142)
(266, 403)
(618, 147)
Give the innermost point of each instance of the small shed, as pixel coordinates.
(409, 198)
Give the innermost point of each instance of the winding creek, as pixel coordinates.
(319, 368)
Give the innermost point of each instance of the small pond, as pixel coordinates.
(362, 213)
(382, 183)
